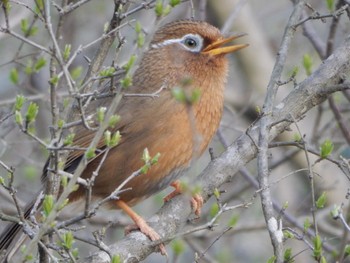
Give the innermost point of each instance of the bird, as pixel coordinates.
(185, 56)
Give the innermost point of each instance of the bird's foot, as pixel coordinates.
(196, 200)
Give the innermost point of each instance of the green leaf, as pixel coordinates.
(179, 94)
(2, 181)
(140, 40)
(178, 247)
(29, 67)
(76, 72)
(48, 205)
(174, 3)
(32, 112)
(317, 253)
(113, 120)
(66, 52)
(330, 5)
(138, 27)
(326, 148)
(116, 259)
(24, 26)
(288, 234)
(130, 63)
(217, 193)
(233, 221)
(196, 94)
(115, 139)
(41, 62)
(155, 159)
(101, 111)
(214, 209)
(14, 76)
(307, 224)
(347, 250)
(90, 153)
(146, 156)
(107, 137)
(126, 82)
(54, 80)
(272, 259)
(335, 212)
(107, 72)
(67, 240)
(18, 118)
(159, 8)
(64, 181)
(307, 63)
(20, 99)
(69, 139)
(321, 201)
(288, 256)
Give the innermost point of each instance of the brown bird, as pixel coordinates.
(188, 56)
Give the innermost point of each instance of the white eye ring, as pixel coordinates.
(190, 42)
(193, 43)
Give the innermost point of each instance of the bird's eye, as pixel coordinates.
(190, 42)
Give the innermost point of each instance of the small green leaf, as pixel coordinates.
(20, 99)
(2, 180)
(113, 120)
(76, 72)
(155, 159)
(107, 138)
(140, 40)
(24, 26)
(347, 250)
(321, 201)
(115, 139)
(272, 259)
(18, 118)
(178, 247)
(288, 256)
(60, 123)
(138, 27)
(288, 234)
(307, 63)
(69, 139)
(335, 212)
(67, 240)
(217, 193)
(233, 221)
(307, 224)
(64, 181)
(54, 80)
(130, 63)
(126, 81)
(107, 72)
(146, 156)
(48, 205)
(32, 112)
(101, 111)
(179, 94)
(214, 209)
(90, 153)
(41, 62)
(14, 76)
(145, 168)
(159, 8)
(166, 10)
(29, 67)
(326, 148)
(330, 5)
(66, 52)
(317, 253)
(174, 3)
(196, 94)
(116, 259)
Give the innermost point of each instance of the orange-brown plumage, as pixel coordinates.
(179, 131)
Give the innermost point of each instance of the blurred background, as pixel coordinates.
(264, 23)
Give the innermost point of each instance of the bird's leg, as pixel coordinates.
(141, 224)
(196, 200)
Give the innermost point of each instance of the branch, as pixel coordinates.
(174, 214)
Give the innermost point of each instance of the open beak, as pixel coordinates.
(217, 48)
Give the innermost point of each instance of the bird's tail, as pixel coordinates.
(11, 233)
